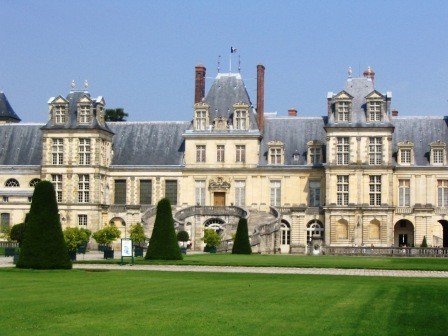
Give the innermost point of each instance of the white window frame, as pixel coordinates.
(82, 221)
(85, 114)
(85, 150)
(343, 150)
(57, 149)
(276, 192)
(200, 192)
(83, 188)
(201, 120)
(60, 114)
(404, 192)
(314, 193)
(375, 190)
(442, 193)
(240, 153)
(343, 111)
(240, 193)
(342, 190)
(375, 150)
(220, 153)
(56, 179)
(200, 153)
(375, 111)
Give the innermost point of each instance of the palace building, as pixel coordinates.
(360, 174)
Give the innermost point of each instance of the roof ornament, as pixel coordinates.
(239, 63)
(86, 84)
(219, 63)
(73, 84)
(350, 71)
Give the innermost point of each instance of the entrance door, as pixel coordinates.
(403, 240)
(220, 198)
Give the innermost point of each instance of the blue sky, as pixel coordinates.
(140, 55)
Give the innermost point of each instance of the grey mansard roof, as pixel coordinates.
(422, 131)
(20, 144)
(6, 111)
(148, 143)
(226, 90)
(294, 132)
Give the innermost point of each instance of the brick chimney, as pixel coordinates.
(394, 113)
(292, 112)
(260, 96)
(199, 83)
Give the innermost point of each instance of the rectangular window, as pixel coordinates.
(83, 189)
(59, 114)
(240, 153)
(375, 151)
(437, 156)
(276, 193)
(84, 114)
(58, 151)
(342, 193)
(84, 151)
(240, 193)
(5, 219)
(343, 111)
(343, 151)
(276, 155)
(314, 193)
(200, 153)
(200, 192)
(145, 191)
(240, 118)
(315, 155)
(201, 118)
(171, 191)
(82, 220)
(57, 183)
(375, 111)
(220, 153)
(405, 155)
(442, 193)
(375, 190)
(120, 192)
(404, 193)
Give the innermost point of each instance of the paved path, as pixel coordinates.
(7, 262)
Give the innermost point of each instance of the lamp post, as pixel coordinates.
(125, 228)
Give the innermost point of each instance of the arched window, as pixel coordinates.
(285, 233)
(374, 229)
(33, 182)
(12, 183)
(342, 229)
(214, 224)
(314, 229)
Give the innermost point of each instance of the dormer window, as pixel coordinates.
(438, 153)
(405, 153)
(276, 152)
(84, 114)
(60, 114)
(201, 116)
(343, 111)
(241, 116)
(375, 111)
(374, 106)
(314, 152)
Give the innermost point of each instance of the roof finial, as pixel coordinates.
(73, 84)
(86, 84)
(350, 71)
(219, 63)
(239, 63)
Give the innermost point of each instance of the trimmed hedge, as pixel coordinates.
(241, 245)
(163, 243)
(43, 246)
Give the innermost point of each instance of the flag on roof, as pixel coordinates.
(232, 50)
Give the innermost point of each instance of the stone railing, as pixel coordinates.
(403, 210)
(441, 211)
(386, 251)
(149, 212)
(8, 244)
(266, 228)
(210, 211)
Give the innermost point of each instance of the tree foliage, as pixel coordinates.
(43, 246)
(183, 236)
(424, 243)
(211, 238)
(107, 235)
(163, 243)
(137, 233)
(116, 114)
(241, 244)
(18, 233)
(74, 237)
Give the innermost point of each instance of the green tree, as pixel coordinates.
(211, 238)
(424, 243)
(107, 235)
(183, 236)
(117, 114)
(43, 246)
(5, 231)
(74, 237)
(241, 244)
(18, 233)
(137, 233)
(163, 243)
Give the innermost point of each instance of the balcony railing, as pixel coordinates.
(403, 210)
(210, 211)
(386, 251)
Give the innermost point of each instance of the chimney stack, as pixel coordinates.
(292, 112)
(199, 87)
(394, 113)
(260, 96)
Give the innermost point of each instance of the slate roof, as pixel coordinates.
(359, 88)
(294, 132)
(73, 98)
(148, 143)
(20, 144)
(6, 111)
(421, 131)
(226, 90)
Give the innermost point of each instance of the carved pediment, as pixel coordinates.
(220, 183)
(375, 95)
(220, 124)
(343, 95)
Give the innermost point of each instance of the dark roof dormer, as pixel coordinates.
(7, 114)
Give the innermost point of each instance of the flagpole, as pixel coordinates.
(230, 62)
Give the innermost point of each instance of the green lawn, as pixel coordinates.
(163, 303)
(258, 260)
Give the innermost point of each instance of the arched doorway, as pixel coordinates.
(444, 234)
(315, 236)
(214, 224)
(121, 225)
(404, 233)
(285, 236)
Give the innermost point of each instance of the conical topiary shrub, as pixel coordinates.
(163, 243)
(43, 246)
(424, 243)
(241, 244)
